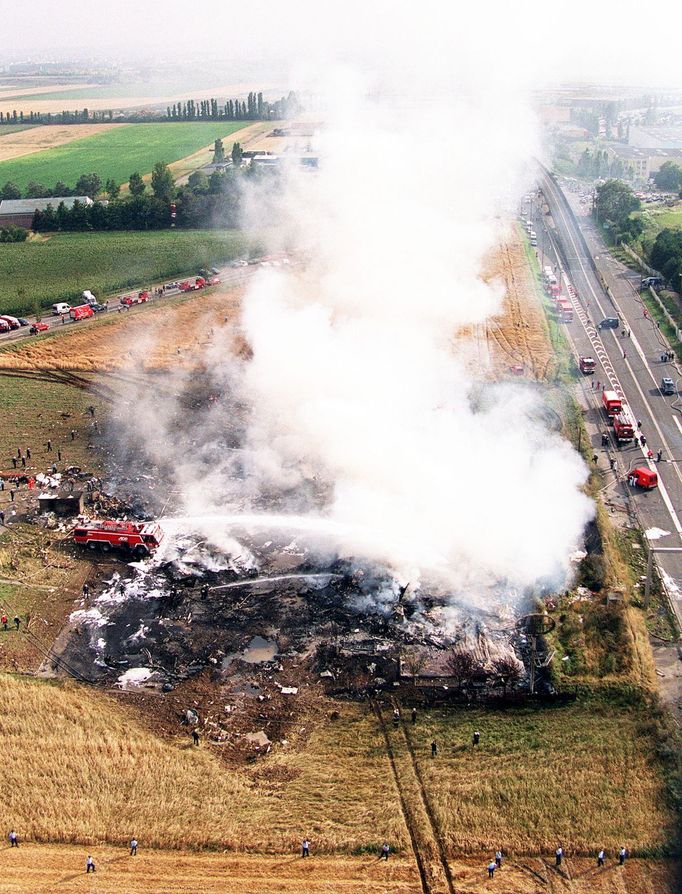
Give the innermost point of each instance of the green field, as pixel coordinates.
(116, 153)
(14, 128)
(59, 268)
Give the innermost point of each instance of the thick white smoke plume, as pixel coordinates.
(359, 410)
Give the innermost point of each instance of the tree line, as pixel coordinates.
(254, 108)
(205, 202)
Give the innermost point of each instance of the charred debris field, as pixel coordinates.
(296, 664)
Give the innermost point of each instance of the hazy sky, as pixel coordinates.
(530, 42)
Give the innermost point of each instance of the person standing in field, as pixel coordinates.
(133, 847)
(559, 854)
(305, 848)
(491, 869)
(434, 748)
(13, 839)
(498, 859)
(622, 854)
(414, 716)
(385, 850)
(89, 865)
(601, 858)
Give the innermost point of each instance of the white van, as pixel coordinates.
(89, 298)
(61, 308)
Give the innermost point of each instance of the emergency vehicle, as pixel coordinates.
(586, 365)
(81, 313)
(138, 538)
(564, 310)
(612, 403)
(623, 427)
(643, 477)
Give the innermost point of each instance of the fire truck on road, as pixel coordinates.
(138, 538)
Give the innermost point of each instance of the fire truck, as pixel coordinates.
(188, 286)
(643, 477)
(564, 310)
(81, 313)
(612, 403)
(138, 538)
(623, 427)
(586, 365)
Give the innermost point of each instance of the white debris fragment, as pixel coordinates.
(655, 533)
(134, 677)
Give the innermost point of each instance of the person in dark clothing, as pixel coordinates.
(73, 434)
(59, 454)
(604, 439)
(86, 590)
(396, 716)
(13, 839)
(11, 495)
(28, 453)
(23, 462)
(643, 440)
(49, 446)
(414, 716)
(17, 621)
(476, 738)
(434, 749)
(14, 462)
(659, 456)
(385, 850)
(195, 737)
(204, 591)
(2, 517)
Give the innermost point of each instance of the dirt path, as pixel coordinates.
(44, 869)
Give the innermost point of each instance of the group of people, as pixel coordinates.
(495, 863)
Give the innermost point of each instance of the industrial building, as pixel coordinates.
(19, 212)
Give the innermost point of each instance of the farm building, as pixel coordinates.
(19, 212)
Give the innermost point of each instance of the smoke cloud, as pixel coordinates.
(354, 410)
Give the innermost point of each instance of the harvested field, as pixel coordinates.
(154, 337)
(38, 868)
(124, 96)
(27, 140)
(518, 336)
(94, 774)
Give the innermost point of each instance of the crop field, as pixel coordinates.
(6, 129)
(29, 139)
(117, 153)
(58, 268)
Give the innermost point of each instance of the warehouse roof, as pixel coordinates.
(28, 206)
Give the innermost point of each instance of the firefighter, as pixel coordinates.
(434, 748)
(659, 455)
(195, 737)
(385, 850)
(476, 738)
(204, 591)
(2, 517)
(11, 495)
(612, 461)
(49, 446)
(28, 453)
(642, 440)
(73, 434)
(396, 716)
(86, 590)
(604, 439)
(414, 716)
(23, 462)
(59, 454)
(17, 622)
(14, 462)
(3, 621)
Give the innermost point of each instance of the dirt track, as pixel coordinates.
(43, 869)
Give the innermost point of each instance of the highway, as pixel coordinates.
(631, 364)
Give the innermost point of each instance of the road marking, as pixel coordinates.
(612, 375)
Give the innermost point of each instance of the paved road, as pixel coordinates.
(633, 365)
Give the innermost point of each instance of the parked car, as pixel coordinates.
(60, 308)
(609, 323)
(23, 321)
(667, 386)
(652, 281)
(4, 327)
(39, 326)
(100, 308)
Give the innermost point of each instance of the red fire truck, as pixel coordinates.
(81, 313)
(586, 365)
(623, 427)
(612, 403)
(139, 538)
(564, 310)
(188, 286)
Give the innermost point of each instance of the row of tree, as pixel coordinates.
(596, 164)
(204, 202)
(613, 206)
(254, 108)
